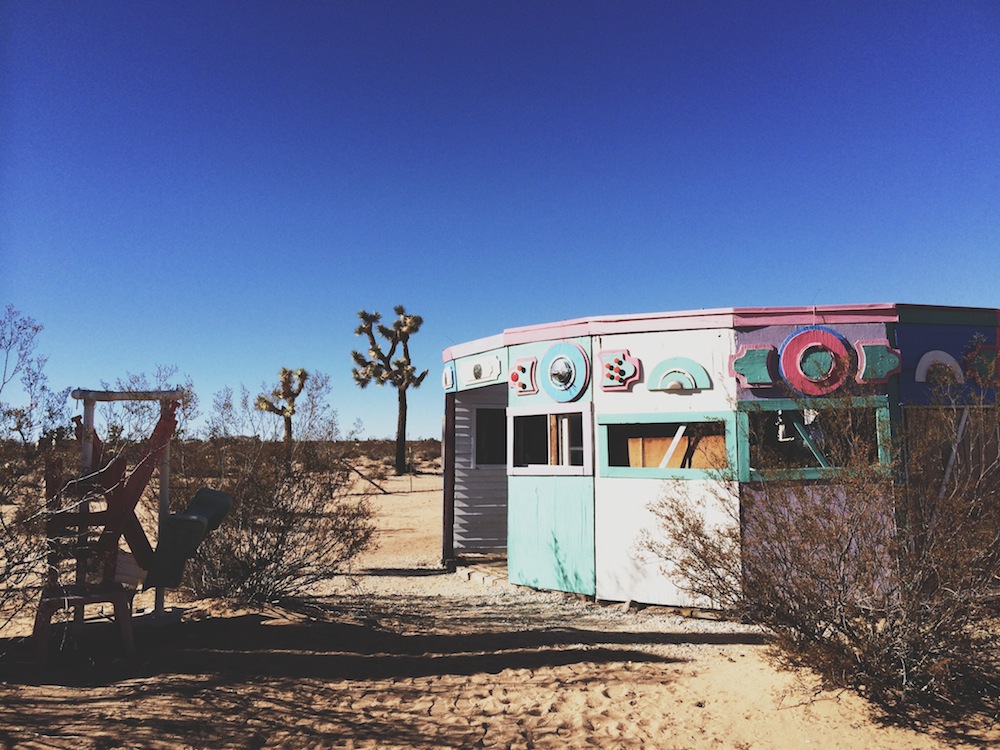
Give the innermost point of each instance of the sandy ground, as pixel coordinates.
(402, 655)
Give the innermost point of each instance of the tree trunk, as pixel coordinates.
(288, 443)
(401, 433)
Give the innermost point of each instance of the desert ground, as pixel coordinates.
(401, 654)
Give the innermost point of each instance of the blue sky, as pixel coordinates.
(222, 185)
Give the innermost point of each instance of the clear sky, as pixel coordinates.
(221, 185)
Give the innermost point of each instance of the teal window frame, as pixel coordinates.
(883, 429)
(727, 418)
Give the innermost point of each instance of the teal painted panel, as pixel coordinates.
(550, 533)
(538, 392)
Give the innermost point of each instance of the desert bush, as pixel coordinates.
(288, 530)
(881, 568)
(298, 517)
(421, 451)
(128, 424)
(33, 422)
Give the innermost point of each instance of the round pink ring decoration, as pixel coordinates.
(815, 361)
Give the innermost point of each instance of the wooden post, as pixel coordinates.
(86, 469)
(87, 450)
(87, 446)
(448, 449)
(164, 512)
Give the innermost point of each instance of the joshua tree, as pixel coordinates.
(389, 366)
(289, 387)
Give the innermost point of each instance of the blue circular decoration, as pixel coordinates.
(565, 371)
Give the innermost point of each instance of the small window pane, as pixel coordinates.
(491, 437)
(549, 439)
(567, 435)
(531, 440)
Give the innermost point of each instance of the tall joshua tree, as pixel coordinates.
(281, 402)
(390, 365)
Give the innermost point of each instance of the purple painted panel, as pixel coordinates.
(776, 336)
(815, 538)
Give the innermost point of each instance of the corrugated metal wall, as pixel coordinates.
(480, 491)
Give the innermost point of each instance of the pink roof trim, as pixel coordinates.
(736, 317)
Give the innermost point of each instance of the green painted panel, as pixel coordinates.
(550, 533)
(880, 360)
(756, 366)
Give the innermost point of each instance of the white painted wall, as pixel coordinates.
(712, 348)
(623, 515)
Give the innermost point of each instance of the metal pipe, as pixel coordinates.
(87, 446)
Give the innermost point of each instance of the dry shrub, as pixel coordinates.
(288, 529)
(33, 418)
(882, 572)
(22, 548)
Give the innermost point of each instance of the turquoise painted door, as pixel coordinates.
(550, 533)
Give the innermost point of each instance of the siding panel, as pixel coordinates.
(480, 491)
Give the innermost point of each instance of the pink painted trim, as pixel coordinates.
(600, 368)
(725, 318)
(719, 318)
(826, 315)
(603, 326)
(477, 346)
(524, 383)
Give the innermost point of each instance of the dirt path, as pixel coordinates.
(402, 655)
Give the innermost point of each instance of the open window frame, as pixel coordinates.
(795, 431)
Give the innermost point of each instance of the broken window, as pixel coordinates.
(801, 438)
(679, 445)
(668, 445)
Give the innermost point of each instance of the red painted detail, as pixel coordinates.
(522, 376)
(622, 370)
(798, 346)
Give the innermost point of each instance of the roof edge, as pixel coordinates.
(709, 318)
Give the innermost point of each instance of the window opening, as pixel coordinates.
(491, 437)
(549, 439)
(812, 439)
(668, 445)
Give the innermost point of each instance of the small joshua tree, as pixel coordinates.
(281, 402)
(391, 366)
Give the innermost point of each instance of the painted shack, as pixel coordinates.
(558, 437)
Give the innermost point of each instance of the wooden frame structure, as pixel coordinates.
(83, 544)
